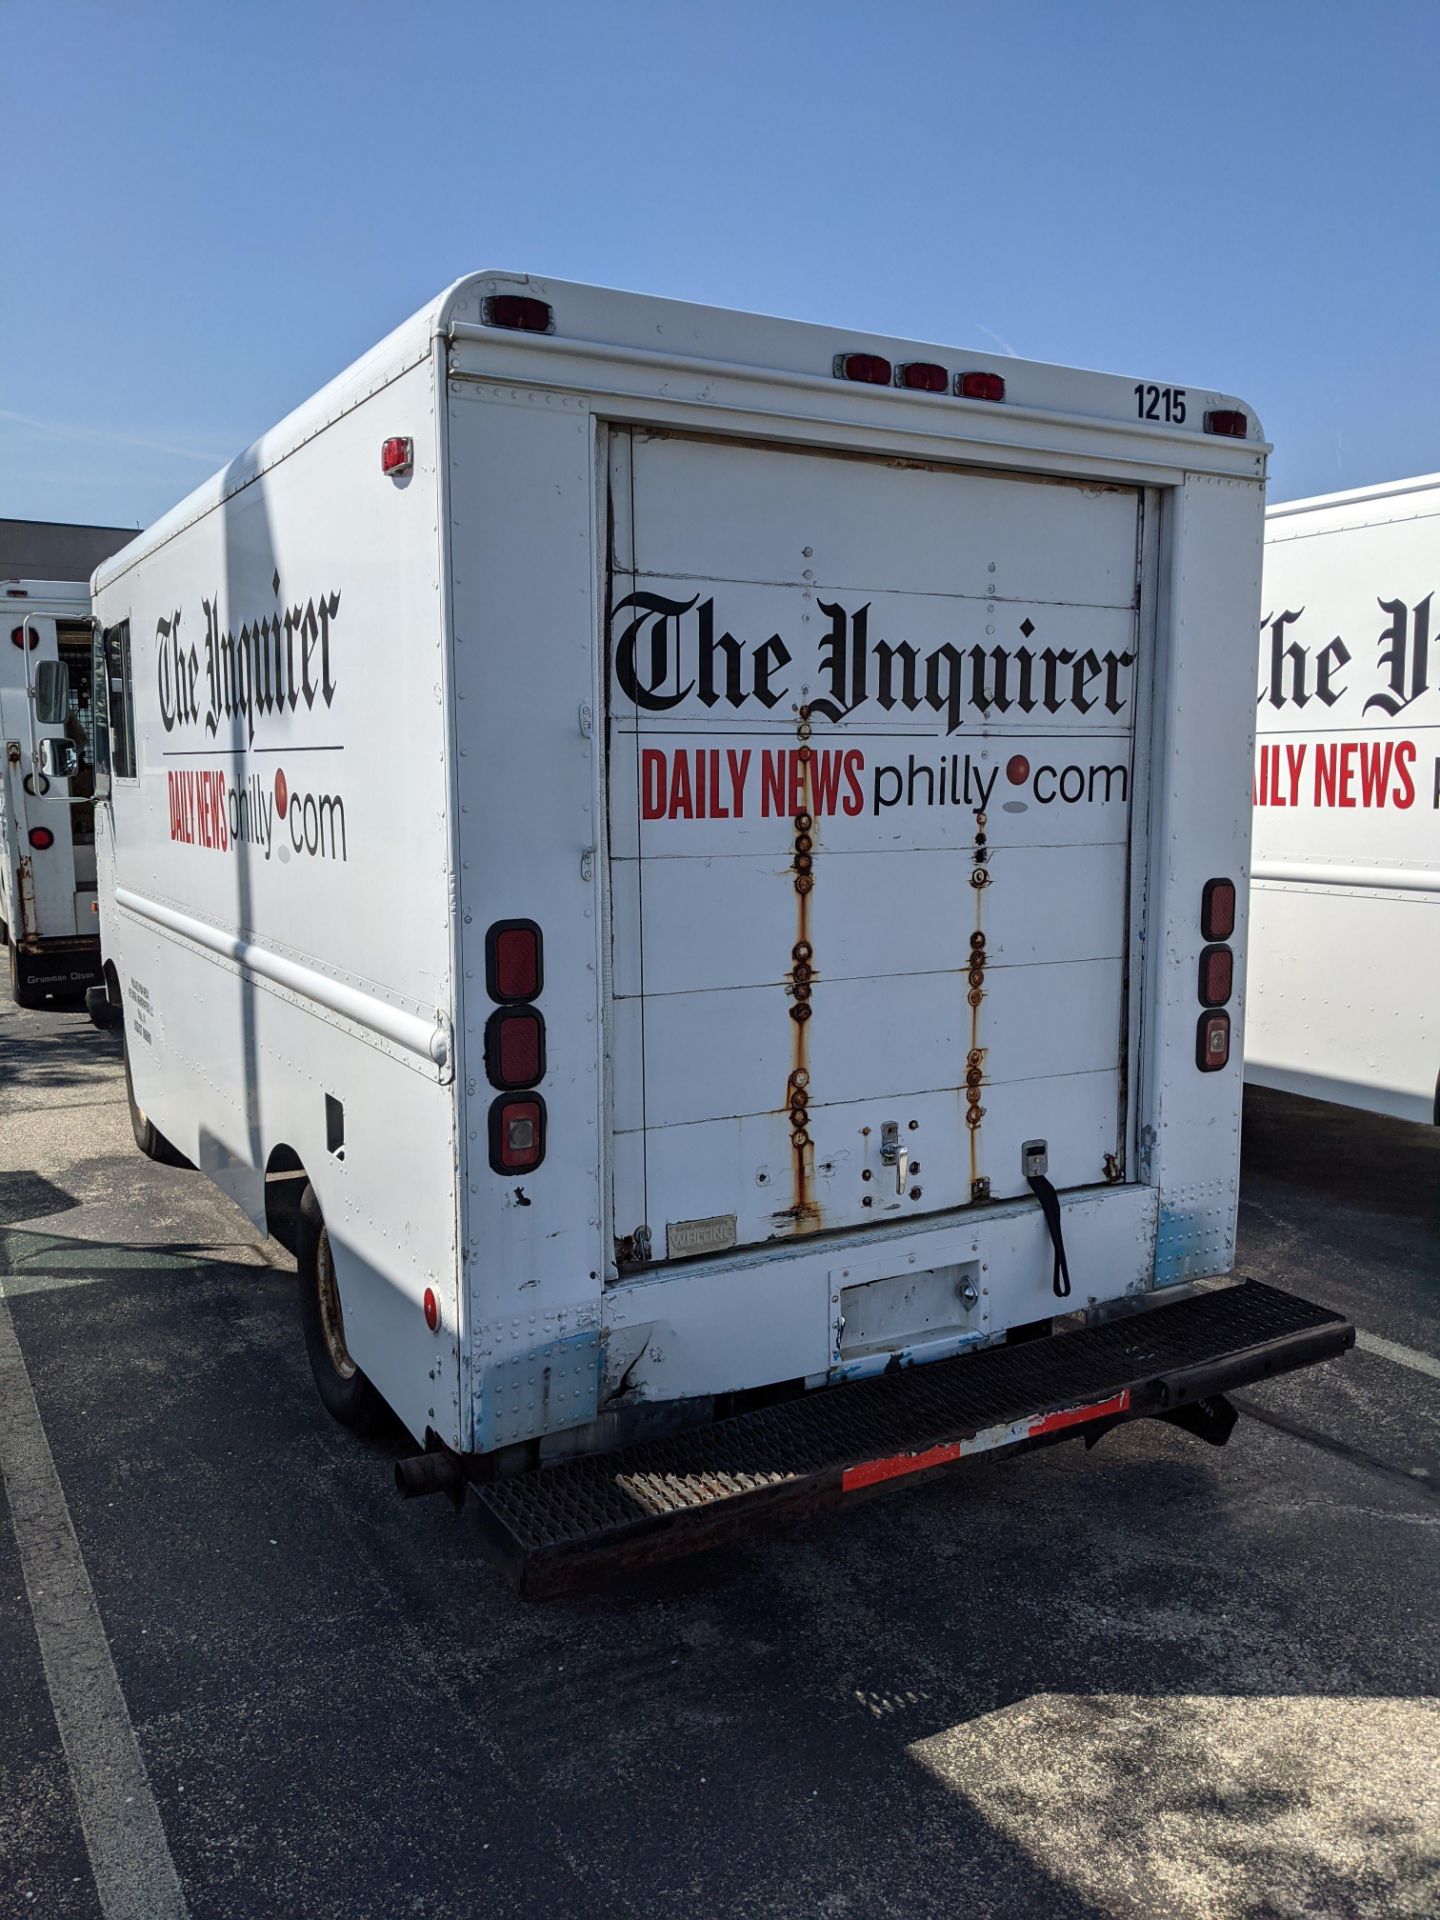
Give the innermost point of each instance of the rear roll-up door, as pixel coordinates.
(870, 779)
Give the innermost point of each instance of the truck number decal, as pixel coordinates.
(1160, 403)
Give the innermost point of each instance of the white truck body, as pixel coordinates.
(49, 911)
(1345, 897)
(763, 694)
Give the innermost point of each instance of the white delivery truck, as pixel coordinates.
(1345, 894)
(693, 866)
(49, 913)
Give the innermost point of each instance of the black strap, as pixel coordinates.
(1050, 1207)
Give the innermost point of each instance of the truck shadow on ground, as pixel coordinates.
(1310, 1149)
(42, 1058)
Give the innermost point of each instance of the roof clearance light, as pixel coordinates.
(1217, 976)
(518, 312)
(397, 456)
(1212, 1042)
(42, 838)
(873, 368)
(1227, 421)
(1217, 909)
(922, 376)
(980, 386)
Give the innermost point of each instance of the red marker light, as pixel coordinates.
(1212, 1042)
(397, 456)
(980, 386)
(1217, 976)
(282, 792)
(432, 1310)
(517, 1133)
(513, 965)
(518, 312)
(871, 368)
(922, 376)
(1227, 421)
(515, 1047)
(1217, 909)
(41, 837)
(19, 638)
(1017, 769)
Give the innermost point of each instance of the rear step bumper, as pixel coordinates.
(561, 1525)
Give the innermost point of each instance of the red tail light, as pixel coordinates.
(397, 456)
(1227, 421)
(518, 312)
(980, 386)
(1217, 909)
(1212, 1042)
(42, 838)
(870, 367)
(514, 962)
(922, 376)
(1217, 976)
(517, 1133)
(515, 1048)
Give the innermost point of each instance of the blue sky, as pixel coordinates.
(210, 209)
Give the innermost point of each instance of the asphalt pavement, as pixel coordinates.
(1154, 1679)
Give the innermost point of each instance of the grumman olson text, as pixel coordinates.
(734, 971)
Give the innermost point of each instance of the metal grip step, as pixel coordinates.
(560, 1524)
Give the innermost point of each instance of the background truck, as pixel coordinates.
(692, 866)
(49, 914)
(1345, 900)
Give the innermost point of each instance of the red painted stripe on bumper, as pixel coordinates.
(895, 1466)
(1075, 1416)
(870, 1472)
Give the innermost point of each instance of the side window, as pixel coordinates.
(122, 703)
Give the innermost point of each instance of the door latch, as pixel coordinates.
(892, 1154)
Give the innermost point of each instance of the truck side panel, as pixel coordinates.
(282, 927)
(1345, 905)
(522, 508)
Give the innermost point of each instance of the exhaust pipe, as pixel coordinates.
(438, 1472)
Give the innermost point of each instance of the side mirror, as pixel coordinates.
(52, 693)
(58, 758)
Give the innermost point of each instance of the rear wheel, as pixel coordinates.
(148, 1137)
(346, 1393)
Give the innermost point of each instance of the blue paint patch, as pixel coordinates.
(538, 1390)
(866, 1365)
(1178, 1243)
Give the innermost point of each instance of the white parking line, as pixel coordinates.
(1402, 1356)
(134, 1874)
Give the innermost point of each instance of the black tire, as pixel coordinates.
(148, 1137)
(345, 1393)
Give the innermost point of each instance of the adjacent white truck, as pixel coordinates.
(693, 867)
(1345, 895)
(49, 913)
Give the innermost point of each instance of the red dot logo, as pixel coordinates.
(282, 792)
(1017, 769)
